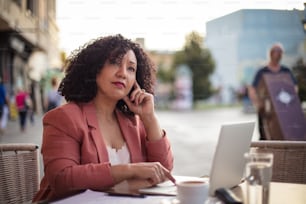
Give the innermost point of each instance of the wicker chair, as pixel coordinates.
(289, 163)
(19, 172)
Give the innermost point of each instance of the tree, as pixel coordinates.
(200, 62)
(299, 71)
(165, 75)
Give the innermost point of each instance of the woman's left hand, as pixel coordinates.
(140, 102)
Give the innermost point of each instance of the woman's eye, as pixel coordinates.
(115, 62)
(132, 69)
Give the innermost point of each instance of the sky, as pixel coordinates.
(163, 23)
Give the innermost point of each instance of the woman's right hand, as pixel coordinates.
(153, 172)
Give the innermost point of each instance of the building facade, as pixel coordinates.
(28, 44)
(240, 41)
(163, 90)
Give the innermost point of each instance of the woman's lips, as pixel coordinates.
(119, 84)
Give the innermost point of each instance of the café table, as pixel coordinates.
(280, 193)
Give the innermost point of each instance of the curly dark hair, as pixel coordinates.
(79, 84)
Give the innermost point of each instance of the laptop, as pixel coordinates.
(228, 162)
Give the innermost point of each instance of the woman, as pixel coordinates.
(23, 103)
(108, 132)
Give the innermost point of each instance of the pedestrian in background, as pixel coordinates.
(31, 105)
(53, 98)
(23, 103)
(3, 107)
(273, 67)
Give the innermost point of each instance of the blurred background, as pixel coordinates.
(206, 52)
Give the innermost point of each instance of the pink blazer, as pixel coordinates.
(75, 156)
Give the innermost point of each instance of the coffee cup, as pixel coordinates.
(195, 192)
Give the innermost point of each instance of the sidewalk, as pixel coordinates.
(33, 133)
(193, 136)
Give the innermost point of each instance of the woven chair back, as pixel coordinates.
(19, 172)
(289, 163)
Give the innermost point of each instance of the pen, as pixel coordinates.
(133, 195)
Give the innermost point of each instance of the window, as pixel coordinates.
(18, 2)
(31, 6)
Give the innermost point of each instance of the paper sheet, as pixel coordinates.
(94, 197)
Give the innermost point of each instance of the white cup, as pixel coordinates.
(192, 192)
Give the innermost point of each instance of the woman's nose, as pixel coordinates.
(122, 71)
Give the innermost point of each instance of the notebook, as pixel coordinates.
(228, 163)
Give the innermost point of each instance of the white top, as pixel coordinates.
(120, 156)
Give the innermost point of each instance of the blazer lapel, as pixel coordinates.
(131, 136)
(128, 129)
(92, 121)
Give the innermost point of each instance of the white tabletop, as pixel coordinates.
(281, 193)
(93, 197)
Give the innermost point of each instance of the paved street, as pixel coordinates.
(32, 134)
(193, 135)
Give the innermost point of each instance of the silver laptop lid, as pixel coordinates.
(229, 163)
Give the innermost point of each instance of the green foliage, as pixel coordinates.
(200, 62)
(179, 58)
(165, 75)
(299, 71)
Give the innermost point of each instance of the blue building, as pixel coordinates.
(240, 41)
